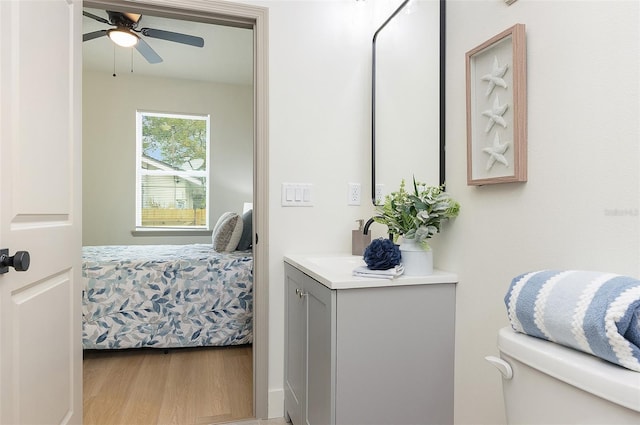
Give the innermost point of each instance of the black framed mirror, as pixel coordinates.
(408, 97)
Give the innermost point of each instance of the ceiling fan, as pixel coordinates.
(126, 33)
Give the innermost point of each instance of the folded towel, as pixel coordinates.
(391, 273)
(598, 313)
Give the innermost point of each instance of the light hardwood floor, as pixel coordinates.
(274, 421)
(185, 386)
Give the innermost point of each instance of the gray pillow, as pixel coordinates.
(247, 233)
(227, 232)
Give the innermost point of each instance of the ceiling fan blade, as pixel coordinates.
(97, 18)
(149, 54)
(91, 35)
(173, 36)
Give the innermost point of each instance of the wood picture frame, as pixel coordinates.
(497, 109)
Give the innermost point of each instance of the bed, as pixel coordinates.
(166, 296)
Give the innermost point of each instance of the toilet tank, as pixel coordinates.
(553, 384)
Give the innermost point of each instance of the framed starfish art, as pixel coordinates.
(497, 109)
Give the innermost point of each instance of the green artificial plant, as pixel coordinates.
(418, 214)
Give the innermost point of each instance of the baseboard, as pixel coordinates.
(276, 403)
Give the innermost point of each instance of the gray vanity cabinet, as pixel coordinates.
(308, 359)
(295, 345)
(368, 355)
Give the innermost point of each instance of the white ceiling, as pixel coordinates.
(227, 55)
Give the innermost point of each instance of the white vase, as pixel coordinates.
(416, 260)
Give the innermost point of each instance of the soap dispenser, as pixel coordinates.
(359, 241)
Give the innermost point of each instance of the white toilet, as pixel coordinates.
(546, 383)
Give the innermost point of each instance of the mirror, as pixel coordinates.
(408, 98)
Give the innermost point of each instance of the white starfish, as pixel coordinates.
(495, 115)
(495, 76)
(496, 152)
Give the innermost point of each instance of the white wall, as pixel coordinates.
(583, 115)
(109, 143)
(319, 82)
(319, 107)
(583, 158)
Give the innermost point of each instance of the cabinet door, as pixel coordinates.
(395, 355)
(294, 345)
(320, 388)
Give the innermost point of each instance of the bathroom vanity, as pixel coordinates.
(365, 350)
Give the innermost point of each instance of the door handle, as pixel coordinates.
(19, 261)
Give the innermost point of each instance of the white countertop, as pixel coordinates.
(335, 272)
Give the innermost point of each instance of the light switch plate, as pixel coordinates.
(297, 195)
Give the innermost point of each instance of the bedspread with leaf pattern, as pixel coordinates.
(166, 296)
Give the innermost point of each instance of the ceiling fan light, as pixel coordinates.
(123, 37)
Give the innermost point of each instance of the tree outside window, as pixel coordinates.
(172, 170)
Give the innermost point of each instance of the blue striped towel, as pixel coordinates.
(598, 313)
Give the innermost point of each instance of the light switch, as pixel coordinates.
(296, 195)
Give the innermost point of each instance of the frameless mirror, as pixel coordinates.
(408, 97)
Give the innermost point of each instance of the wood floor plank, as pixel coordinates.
(205, 385)
(238, 369)
(111, 390)
(182, 389)
(232, 401)
(144, 399)
(218, 400)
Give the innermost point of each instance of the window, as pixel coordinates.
(172, 175)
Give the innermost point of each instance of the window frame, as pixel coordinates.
(140, 172)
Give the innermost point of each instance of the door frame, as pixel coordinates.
(254, 17)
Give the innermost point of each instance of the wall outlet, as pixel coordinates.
(354, 194)
(379, 197)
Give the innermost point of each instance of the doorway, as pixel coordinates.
(255, 18)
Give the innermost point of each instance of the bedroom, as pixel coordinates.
(122, 96)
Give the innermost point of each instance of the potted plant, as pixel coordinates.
(416, 215)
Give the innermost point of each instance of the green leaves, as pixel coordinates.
(174, 140)
(419, 214)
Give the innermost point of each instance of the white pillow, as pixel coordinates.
(227, 232)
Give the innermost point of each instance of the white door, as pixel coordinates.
(40, 211)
